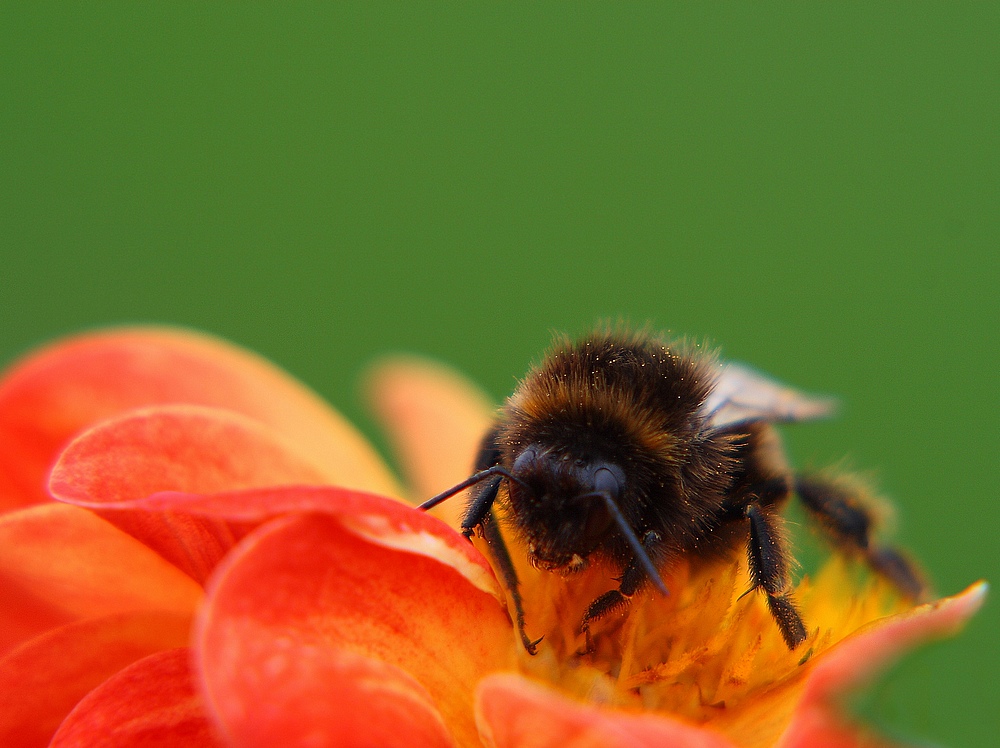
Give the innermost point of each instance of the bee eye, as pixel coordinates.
(524, 461)
(605, 481)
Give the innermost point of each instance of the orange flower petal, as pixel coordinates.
(435, 420)
(43, 679)
(61, 563)
(314, 696)
(175, 448)
(152, 703)
(61, 389)
(514, 712)
(312, 612)
(865, 653)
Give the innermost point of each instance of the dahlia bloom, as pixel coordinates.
(194, 550)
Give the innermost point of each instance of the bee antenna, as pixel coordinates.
(470, 481)
(630, 536)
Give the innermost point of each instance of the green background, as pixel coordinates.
(815, 189)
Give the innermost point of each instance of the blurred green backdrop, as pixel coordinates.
(815, 189)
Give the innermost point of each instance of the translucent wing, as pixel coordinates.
(742, 395)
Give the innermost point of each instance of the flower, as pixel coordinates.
(229, 563)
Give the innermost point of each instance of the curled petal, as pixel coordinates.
(61, 563)
(514, 712)
(44, 678)
(175, 448)
(332, 607)
(817, 720)
(151, 703)
(435, 420)
(58, 391)
(382, 521)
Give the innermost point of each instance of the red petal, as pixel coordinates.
(60, 390)
(514, 712)
(42, 680)
(435, 420)
(175, 448)
(313, 622)
(315, 696)
(253, 506)
(152, 703)
(865, 653)
(61, 563)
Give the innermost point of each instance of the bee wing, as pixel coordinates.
(743, 395)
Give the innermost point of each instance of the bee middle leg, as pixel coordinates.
(758, 503)
(768, 555)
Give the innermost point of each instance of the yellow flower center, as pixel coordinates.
(706, 653)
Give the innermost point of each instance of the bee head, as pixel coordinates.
(559, 500)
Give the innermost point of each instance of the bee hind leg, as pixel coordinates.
(849, 523)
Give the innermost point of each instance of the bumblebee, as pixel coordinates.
(638, 450)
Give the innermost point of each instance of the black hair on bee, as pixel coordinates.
(641, 450)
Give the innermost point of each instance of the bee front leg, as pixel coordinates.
(480, 507)
(633, 577)
(768, 556)
(508, 574)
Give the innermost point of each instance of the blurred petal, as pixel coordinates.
(175, 448)
(43, 679)
(435, 420)
(864, 654)
(514, 712)
(831, 730)
(59, 390)
(60, 563)
(321, 610)
(152, 703)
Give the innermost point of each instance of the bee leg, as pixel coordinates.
(508, 574)
(606, 604)
(768, 556)
(609, 602)
(849, 523)
(480, 507)
(488, 456)
(632, 579)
